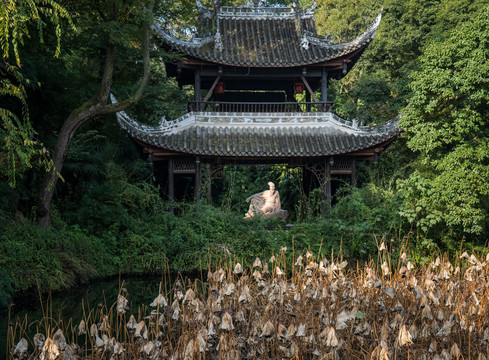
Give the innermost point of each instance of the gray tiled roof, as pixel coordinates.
(264, 39)
(259, 134)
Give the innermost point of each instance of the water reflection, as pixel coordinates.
(141, 290)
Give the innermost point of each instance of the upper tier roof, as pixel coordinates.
(261, 37)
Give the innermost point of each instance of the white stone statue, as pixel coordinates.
(266, 204)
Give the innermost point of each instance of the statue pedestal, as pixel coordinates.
(279, 214)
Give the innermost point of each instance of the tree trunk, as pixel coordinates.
(74, 121)
(98, 105)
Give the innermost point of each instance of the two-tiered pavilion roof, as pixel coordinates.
(252, 61)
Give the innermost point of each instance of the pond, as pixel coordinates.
(67, 304)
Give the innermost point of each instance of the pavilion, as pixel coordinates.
(247, 64)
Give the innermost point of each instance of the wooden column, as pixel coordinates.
(327, 176)
(324, 85)
(198, 176)
(209, 183)
(171, 185)
(354, 173)
(308, 100)
(197, 85)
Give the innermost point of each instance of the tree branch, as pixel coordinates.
(131, 101)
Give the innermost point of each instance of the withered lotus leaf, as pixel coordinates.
(20, 349)
(82, 329)
(49, 351)
(404, 337)
(268, 329)
(121, 304)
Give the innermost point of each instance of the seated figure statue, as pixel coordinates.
(266, 204)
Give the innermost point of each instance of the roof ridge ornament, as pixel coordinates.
(305, 42)
(326, 42)
(218, 45)
(204, 10)
(298, 22)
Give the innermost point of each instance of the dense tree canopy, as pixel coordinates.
(447, 126)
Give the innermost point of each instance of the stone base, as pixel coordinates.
(280, 214)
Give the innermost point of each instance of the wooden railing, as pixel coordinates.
(260, 107)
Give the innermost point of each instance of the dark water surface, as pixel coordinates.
(141, 291)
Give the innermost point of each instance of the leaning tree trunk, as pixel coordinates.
(74, 121)
(97, 106)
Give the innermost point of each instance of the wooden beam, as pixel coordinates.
(324, 85)
(197, 85)
(209, 93)
(309, 89)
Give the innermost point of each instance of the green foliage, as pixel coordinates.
(51, 259)
(345, 19)
(360, 216)
(446, 124)
(18, 148)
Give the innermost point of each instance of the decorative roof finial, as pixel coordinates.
(218, 45)
(305, 43)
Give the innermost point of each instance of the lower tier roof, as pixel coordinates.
(259, 134)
